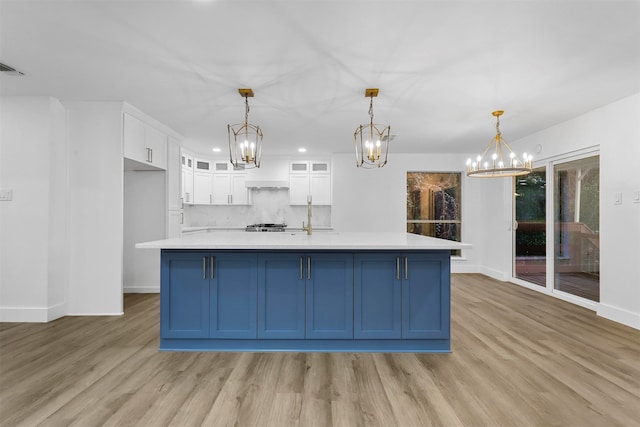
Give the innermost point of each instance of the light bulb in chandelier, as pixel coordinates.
(492, 162)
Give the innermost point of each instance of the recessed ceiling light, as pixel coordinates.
(302, 150)
(216, 150)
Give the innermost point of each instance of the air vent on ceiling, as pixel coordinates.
(9, 71)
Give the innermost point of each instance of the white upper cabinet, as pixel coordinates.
(144, 144)
(186, 182)
(310, 179)
(217, 183)
(230, 189)
(174, 175)
(156, 144)
(202, 182)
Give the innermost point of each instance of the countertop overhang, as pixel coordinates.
(240, 240)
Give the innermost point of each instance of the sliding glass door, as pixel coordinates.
(575, 240)
(577, 227)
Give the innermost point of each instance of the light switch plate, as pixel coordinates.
(617, 199)
(6, 194)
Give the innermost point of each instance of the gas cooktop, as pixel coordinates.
(266, 227)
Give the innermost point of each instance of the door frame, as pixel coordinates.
(549, 289)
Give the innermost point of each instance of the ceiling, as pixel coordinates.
(442, 66)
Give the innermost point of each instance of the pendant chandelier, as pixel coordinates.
(245, 139)
(371, 140)
(498, 159)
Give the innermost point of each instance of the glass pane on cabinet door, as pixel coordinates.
(530, 247)
(577, 227)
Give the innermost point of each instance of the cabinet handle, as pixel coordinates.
(181, 202)
(309, 268)
(204, 267)
(181, 218)
(406, 268)
(301, 268)
(213, 261)
(210, 199)
(397, 268)
(231, 198)
(149, 155)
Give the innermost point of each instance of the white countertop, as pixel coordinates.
(301, 241)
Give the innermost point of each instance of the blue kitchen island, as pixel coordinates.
(236, 291)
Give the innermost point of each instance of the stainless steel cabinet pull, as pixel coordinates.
(204, 267)
(213, 261)
(210, 199)
(181, 218)
(397, 268)
(309, 267)
(301, 268)
(181, 202)
(406, 268)
(151, 156)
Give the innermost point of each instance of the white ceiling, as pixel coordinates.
(442, 66)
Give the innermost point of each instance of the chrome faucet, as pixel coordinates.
(308, 227)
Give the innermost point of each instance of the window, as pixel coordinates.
(434, 205)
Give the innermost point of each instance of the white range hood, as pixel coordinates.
(265, 183)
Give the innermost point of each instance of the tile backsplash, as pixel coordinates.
(268, 206)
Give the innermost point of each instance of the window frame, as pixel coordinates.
(456, 253)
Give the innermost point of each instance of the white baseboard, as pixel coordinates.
(56, 311)
(619, 315)
(464, 268)
(32, 314)
(495, 274)
(141, 289)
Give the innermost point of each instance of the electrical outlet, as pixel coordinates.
(6, 194)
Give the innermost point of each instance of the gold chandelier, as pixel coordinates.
(245, 146)
(371, 140)
(501, 161)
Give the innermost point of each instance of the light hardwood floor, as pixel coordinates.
(519, 359)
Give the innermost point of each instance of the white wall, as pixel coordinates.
(95, 207)
(376, 199)
(615, 128)
(32, 225)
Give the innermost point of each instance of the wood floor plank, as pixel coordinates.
(519, 358)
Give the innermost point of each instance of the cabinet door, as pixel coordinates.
(320, 188)
(202, 188)
(239, 190)
(234, 279)
(221, 185)
(134, 145)
(281, 296)
(425, 296)
(184, 295)
(156, 142)
(377, 296)
(187, 185)
(329, 296)
(298, 189)
(174, 174)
